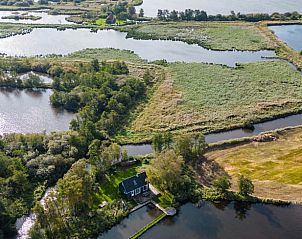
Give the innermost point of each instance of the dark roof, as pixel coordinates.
(134, 182)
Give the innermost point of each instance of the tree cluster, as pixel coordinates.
(28, 164)
(199, 15)
(102, 104)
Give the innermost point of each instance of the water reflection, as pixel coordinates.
(29, 111)
(134, 222)
(231, 220)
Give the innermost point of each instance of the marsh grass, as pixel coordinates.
(212, 97)
(211, 35)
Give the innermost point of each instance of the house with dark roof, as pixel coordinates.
(134, 185)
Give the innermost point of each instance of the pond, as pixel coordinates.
(222, 6)
(29, 111)
(43, 41)
(46, 18)
(43, 77)
(230, 221)
(133, 223)
(290, 34)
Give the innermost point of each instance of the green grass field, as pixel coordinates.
(212, 97)
(218, 36)
(102, 22)
(109, 189)
(275, 167)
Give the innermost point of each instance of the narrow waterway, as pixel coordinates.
(25, 223)
(293, 120)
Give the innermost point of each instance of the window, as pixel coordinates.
(145, 188)
(132, 193)
(137, 191)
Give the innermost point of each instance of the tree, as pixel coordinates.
(166, 169)
(183, 146)
(190, 146)
(95, 65)
(157, 142)
(246, 186)
(141, 13)
(222, 184)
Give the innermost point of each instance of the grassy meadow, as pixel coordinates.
(211, 35)
(212, 97)
(275, 167)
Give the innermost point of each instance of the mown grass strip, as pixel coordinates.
(148, 226)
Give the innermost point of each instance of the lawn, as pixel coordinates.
(275, 167)
(109, 188)
(212, 97)
(211, 35)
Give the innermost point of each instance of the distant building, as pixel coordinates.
(111, 19)
(134, 185)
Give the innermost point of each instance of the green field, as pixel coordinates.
(102, 22)
(275, 167)
(109, 188)
(218, 36)
(211, 97)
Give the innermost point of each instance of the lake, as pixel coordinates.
(46, 19)
(43, 41)
(29, 111)
(290, 34)
(231, 221)
(222, 6)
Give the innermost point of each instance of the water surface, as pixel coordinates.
(43, 77)
(223, 6)
(46, 19)
(25, 223)
(290, 34)
(293, 120)
(28, 111)
(43, 41)
(231, 221)
(133, 223)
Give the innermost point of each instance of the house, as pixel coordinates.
(134, 185)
